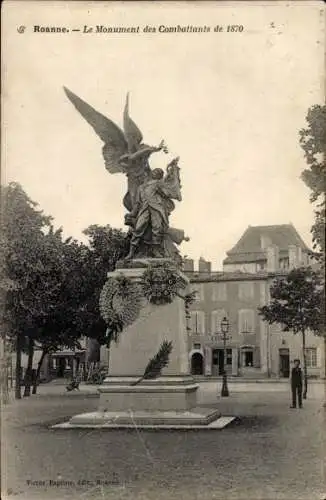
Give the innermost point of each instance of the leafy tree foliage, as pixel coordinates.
(313, 142)
(61, 325)
(106, 246)
(22, 229)
(41, 309)
(50, 287)
(296, 304)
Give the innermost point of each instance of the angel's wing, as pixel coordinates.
(133, 134)
(115, 144)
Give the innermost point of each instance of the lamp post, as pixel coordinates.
(225, 330)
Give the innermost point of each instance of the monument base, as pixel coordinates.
(166, 402)
(162, 394)
(196, 419)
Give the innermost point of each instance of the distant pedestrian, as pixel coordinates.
(296, 384)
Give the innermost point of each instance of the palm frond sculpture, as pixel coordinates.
(157, 363)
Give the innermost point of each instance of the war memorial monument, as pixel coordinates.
(144, 301)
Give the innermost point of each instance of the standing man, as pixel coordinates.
(296, 384)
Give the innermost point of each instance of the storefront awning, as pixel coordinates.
(66, 354)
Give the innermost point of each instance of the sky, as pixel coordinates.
(229, 104)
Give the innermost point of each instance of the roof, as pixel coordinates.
(196, 277)
(250, 257)
(249, 247)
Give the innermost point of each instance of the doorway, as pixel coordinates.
(218, 361)
(284, 363)
(61, 367)
(197, 364)
(248, 358)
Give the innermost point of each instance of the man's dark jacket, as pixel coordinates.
(296, 377)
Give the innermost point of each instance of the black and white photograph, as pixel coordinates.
(163, 250)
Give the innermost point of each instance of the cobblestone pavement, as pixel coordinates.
(270, 452)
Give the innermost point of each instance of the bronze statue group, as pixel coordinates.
(150, 193)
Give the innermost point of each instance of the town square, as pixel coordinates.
(163, 254)
(252, 458)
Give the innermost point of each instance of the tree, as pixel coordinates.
(313, 143)
(106, 246)
(296, 304)
(5, 286)
(22, 230)
(49, 286)
(42, 310)
(59, 325)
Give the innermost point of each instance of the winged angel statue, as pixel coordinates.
(149, 192)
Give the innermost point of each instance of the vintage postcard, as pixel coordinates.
(162, 250)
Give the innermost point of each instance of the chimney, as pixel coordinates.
(293, 256)
(188, 265)
(272, 258)
(265, 242)
(305, 258)
(204, 266)
(300, 257)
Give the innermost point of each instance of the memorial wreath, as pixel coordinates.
(161, 283)
(120, 304)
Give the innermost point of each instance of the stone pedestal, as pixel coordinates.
(169, 400)
(140, 341)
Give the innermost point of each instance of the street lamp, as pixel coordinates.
(225, 330)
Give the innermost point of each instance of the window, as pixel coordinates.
(197, 346)
(311, 357)
(200, 291)
(197, 322)
(284, 263)
(246, 321)
(217, 317)
(246, 291)
(219, 291)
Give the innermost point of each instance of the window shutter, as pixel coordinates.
(246, 291)
(246, 321)
(193, 321)
(214, 323)
(197, 323)
(201, 322)
(318, 357)
(241, 322)
(217, 317)
(219, 291)
(251, 321)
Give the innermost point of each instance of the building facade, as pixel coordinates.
(64, 363)
(254, 348)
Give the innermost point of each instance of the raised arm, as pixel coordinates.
(148, 150)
